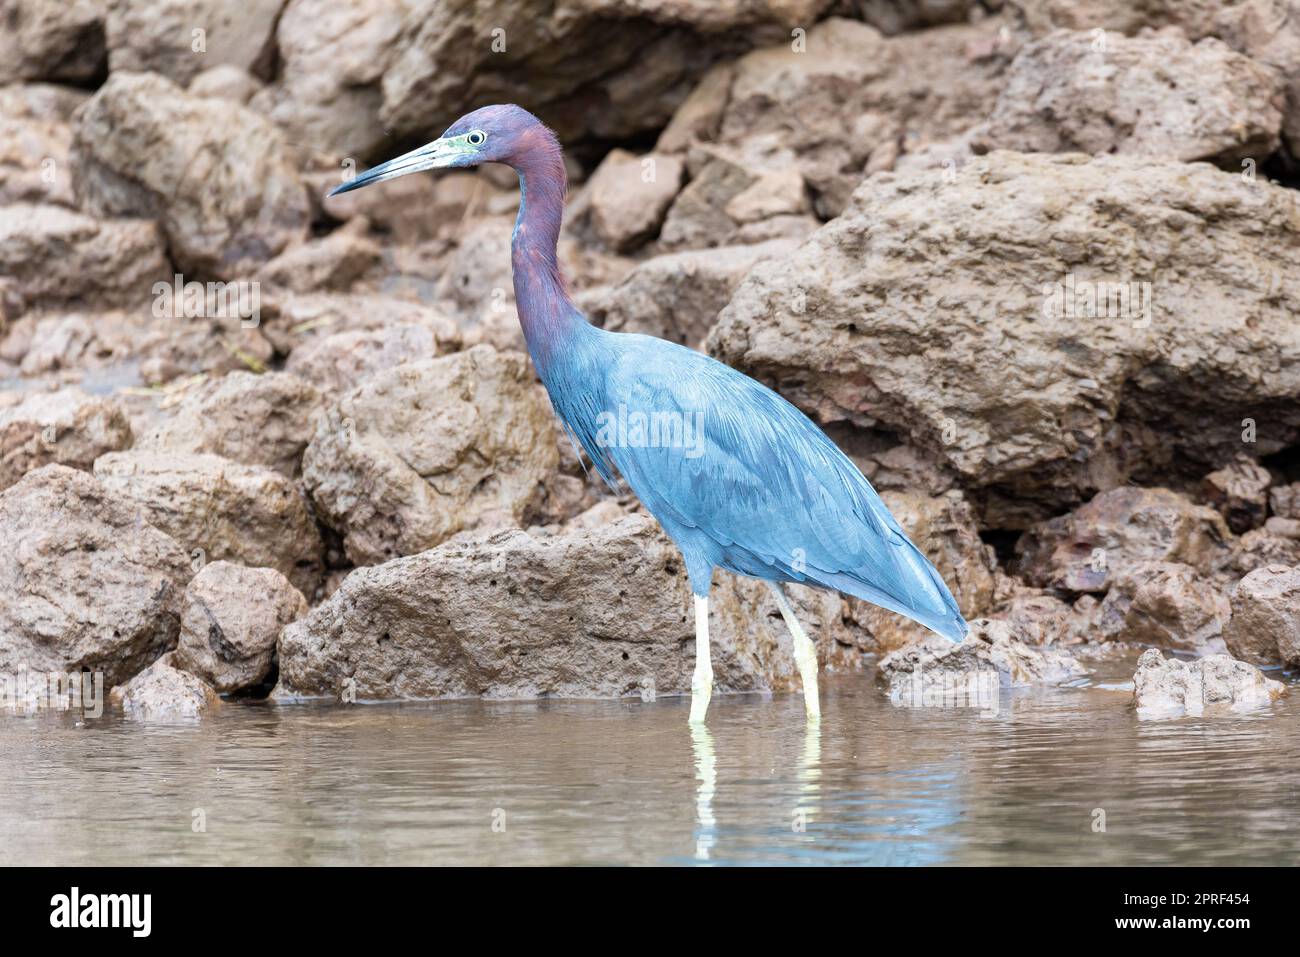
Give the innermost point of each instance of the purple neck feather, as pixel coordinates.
(547, 314)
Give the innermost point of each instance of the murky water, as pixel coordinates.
(627, 783)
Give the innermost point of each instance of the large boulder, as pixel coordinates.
(416, 454)
(218, 177)
(264, 419)
(1168, 687)
(1267, 31)
(182, 38)
(221, 510)
(1025, 390)
(230, 621)
(54, 257)
(591, 612)
(1084, 550)
(86, 585)
(591, 68)
(1158, 95)
(1265, 626)
(68, 427)
(326, 94)
(843, 100)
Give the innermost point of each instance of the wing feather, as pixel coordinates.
(756, 476)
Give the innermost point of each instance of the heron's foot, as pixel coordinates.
(701, 692)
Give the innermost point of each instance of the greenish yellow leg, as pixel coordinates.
(805, 654)
(702, 680)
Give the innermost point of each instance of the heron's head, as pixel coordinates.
(493, 134)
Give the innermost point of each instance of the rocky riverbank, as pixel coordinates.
(1032, 264)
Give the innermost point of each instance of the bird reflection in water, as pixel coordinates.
(706, 785)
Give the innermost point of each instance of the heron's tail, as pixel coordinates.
(913, 588)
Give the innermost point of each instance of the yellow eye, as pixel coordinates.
(476, 138)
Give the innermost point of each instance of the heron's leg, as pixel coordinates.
(702, 680)
(805, 654)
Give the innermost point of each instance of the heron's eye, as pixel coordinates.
(476, 138)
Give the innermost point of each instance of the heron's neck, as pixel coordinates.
(547, 314)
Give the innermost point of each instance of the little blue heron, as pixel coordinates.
(737, 476)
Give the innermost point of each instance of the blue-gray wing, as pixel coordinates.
(731, 459)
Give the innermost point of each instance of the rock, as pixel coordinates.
(845, 326)
(1265, 626)
(1040, 618)
(943, 528)
(930, 671)
(58, 41)
(1274, 544)
(571, 491)
(477, 279)
(730, 191)
(161, 36)
(220, 510)
(296, 321)
(224, 188)
(591, 70)
(331, 57)
(407, 210)
(899, 16)
(54, 257)
(224, 82)
(263, 419)
(847, 101)
(129, 347)
(1282, 527)
(337, 363)
(230, 621)
(86, 584)
(1284, 500)
(593, 612)
(333, 263)
(67, 427)
(418, 453)
(630, 194)
(1167, 687)
(163, 692)
(1264, 30)
(903, 468)
(1084, 550)
(1156, 95)
(1166, 604)
(700, 114)
(678, 296)
(34, 141)
(1240, 494)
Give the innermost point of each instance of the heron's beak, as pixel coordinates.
(435, 155)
